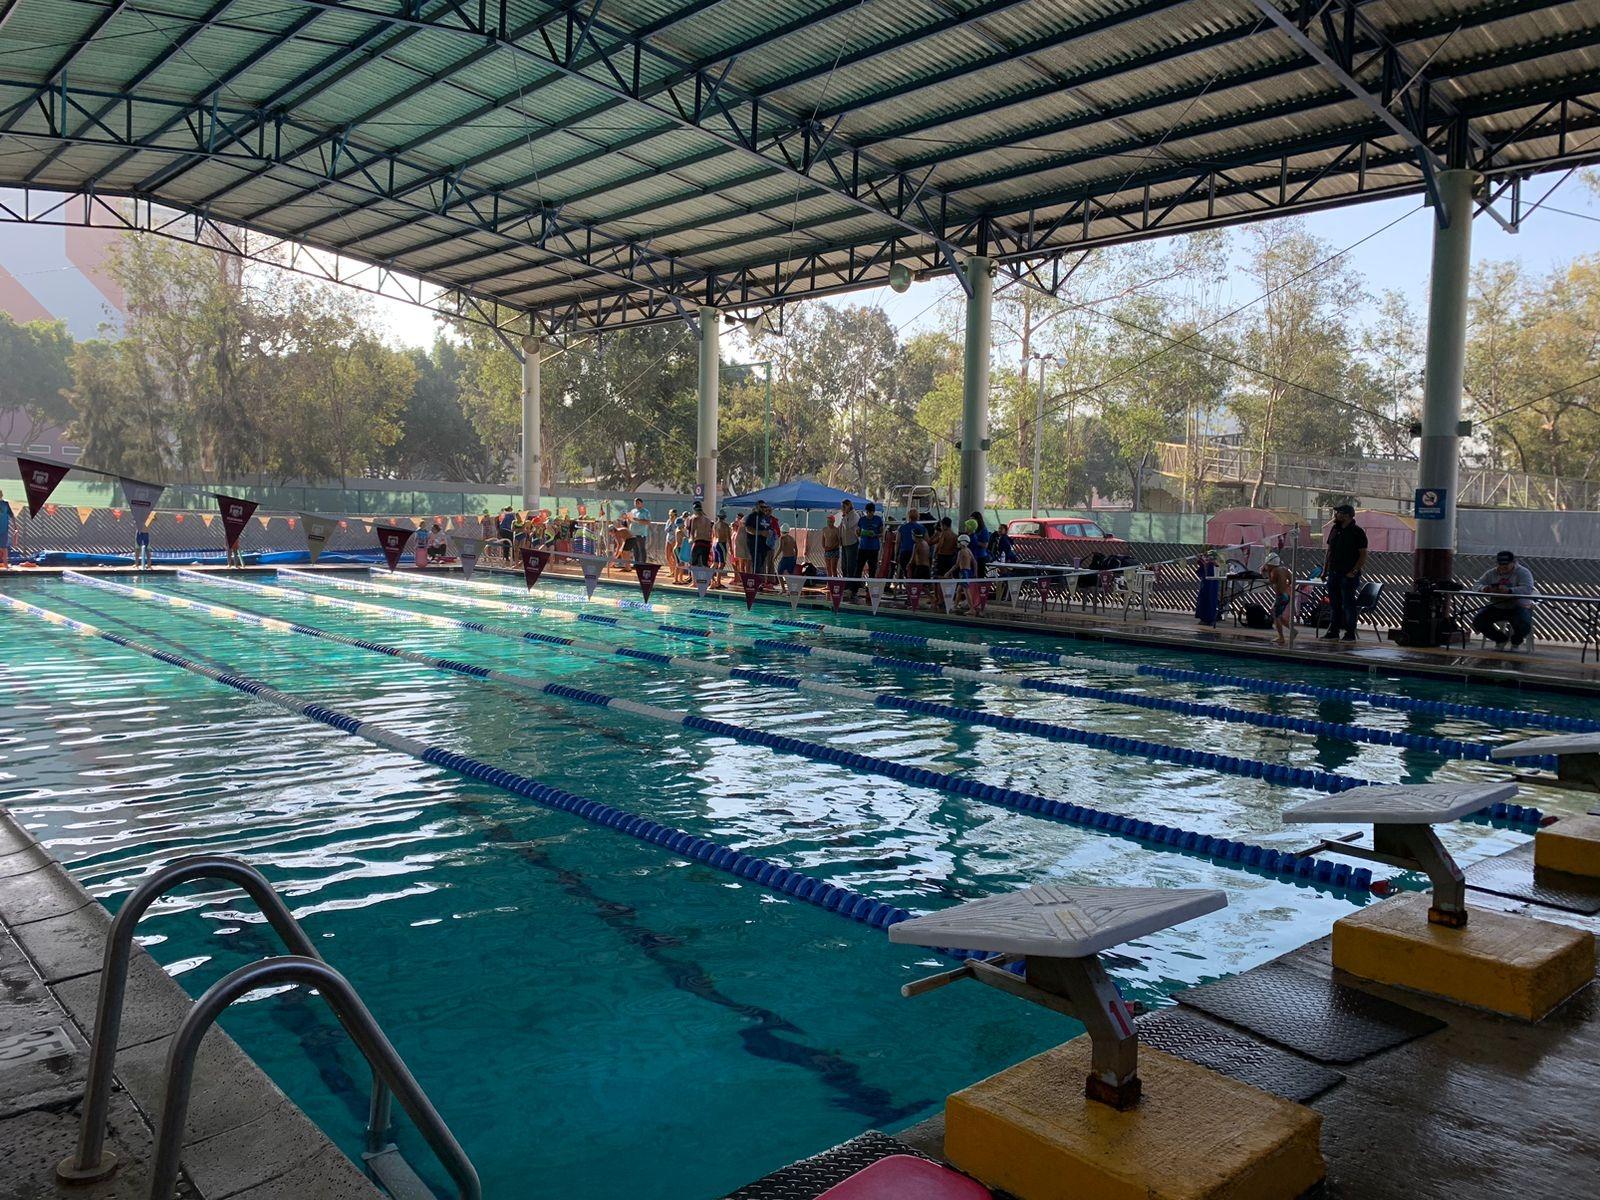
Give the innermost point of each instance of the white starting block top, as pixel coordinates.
(1058, 921)
(1401, 804)
(1556, 743)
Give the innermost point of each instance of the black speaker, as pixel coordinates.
(1424, 618)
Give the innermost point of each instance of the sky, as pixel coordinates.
(1568, 225)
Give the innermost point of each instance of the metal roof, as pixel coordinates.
(599, 163)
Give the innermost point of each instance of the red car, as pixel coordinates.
(1056, 540)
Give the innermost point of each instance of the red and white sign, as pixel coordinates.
(647, 576)
(914, 595)
(392, 541)
(978, 597)
(39, 479)
(236, 515)
(533, 564)
(835, 592)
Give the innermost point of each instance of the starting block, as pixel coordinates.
(1516, 966)
(1577, 758)
(1035, 1132)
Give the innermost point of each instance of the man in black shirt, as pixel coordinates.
(1347, 558)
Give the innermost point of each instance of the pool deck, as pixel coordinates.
(1485, 1109)
(245, 1139)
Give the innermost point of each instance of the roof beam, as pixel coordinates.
(54, 74)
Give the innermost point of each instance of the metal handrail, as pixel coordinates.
(91, 1161)
(357, 1021)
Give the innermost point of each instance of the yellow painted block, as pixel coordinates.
(1195, 1135)
(1515, 966)
(1572, 845)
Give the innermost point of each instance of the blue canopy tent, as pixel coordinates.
(804, 493)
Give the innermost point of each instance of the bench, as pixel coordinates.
(1402, 817)
(1577, 758)
(1053, 935)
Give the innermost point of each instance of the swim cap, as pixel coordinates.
(971, 526)
(963, 540)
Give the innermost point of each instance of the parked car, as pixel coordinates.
(1062, 541)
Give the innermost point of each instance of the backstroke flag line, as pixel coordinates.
(236, 515)
(39, 479)
(141, 496)
(592, 565)
(316, 530)
(533, 565)
(392, 540)
(702, 579)
(875, 586)
(647, 576)
(751, 585)
(467, 548)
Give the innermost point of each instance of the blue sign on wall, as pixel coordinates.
(1430, 504)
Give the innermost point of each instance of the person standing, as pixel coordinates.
(5, 533)
(639, 531)
(944, 549)
(724, 550)
(788, 552)
(1281, 580)
(830, 546)
(1512, 585)
(1346, 560)
(701, 531)
(869, 544)
(505, 526)
(141, 544)
(978, 531)
(849, 539)
(906, 540)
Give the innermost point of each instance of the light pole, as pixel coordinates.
(1038, 420)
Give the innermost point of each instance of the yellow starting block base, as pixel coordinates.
(1515, 966)
(1572, 845)
(1195, 1135)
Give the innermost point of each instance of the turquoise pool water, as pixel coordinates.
(592, 1015)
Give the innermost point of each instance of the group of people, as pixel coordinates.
(510, 534)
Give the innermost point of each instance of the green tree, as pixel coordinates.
(37, 375)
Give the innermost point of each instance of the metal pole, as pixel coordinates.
(766, 445)
(1294, 583)
(1440, 457)
(706, 440)
(975, 390)
(1038, 437)
(532, 443)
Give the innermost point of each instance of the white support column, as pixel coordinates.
(975, 386)
(1440, 455)
(532, 441)
(710, 374)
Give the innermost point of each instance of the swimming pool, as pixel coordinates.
(595, 1015)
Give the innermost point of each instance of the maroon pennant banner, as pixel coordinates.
(392, 540)
(236, 514)
(647, 576)
(978, 597)
(914, 595)
(751, 583)
(835, 592)
(533, 564)
(39, 479)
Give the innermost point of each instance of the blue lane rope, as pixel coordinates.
(763, 872)
(1277, 773)
(1446, 747)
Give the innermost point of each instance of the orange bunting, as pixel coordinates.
(178, 517)
(50, 509)
(263, 521)
(117, 513)
(291, 522)
(207, 518)
(83, 515)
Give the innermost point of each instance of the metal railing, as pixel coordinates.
(91, 1161)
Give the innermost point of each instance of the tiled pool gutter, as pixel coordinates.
(244, 1138)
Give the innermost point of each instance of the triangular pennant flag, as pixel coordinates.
(978, 597)
(317, 530)
(794, 585)
(702, 579)
(392, 540)
(751, 585)
(39, 479)
(141, 496)
(266, 522)
(83, 515)
(947, 588)
(467, 548)
(236, 514)
(647, 576)
(875, 588)
(592, 565)
(207, 518)
(914, 595)
(533, 564)
(835, 592)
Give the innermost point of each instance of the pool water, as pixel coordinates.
(592, 1015)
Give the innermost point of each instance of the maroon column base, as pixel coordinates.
(1432, 566)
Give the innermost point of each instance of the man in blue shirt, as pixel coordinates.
(906, 540)
(870, 543)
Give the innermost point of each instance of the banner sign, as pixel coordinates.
(794, 585)
(947, 588)
(141, 496)
(39, 479)
(533, 565)
(592, 565)
(875, 588)
(914, 595)
(835, 592)
(392, 540)
(316, 530)
(467, 548)
(236, 515)
(647, 576)
(702, 579)
(978, 597)
(751, 585)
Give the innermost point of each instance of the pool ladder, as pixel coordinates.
(303, 965)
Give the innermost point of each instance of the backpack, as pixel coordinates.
(1256, 615)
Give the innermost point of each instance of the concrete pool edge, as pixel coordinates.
(245, 1140)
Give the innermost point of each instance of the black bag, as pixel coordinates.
(1256, 615)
